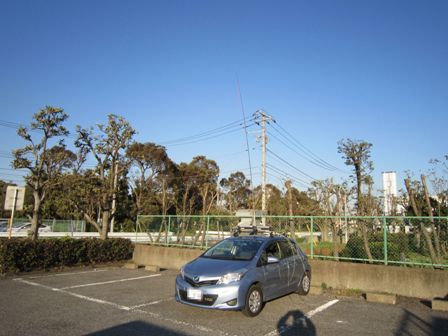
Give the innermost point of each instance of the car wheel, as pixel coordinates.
(305, 284)
(254, 301)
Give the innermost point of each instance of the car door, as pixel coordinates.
(274, 274)
(295, 265)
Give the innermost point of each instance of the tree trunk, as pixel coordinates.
(291, 221)
(365, 239)
(105, 224)
(335, 241)
(423, 230)
(35, 220)
(364, 232)
(431, 218)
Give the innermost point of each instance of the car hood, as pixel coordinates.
(207, 267)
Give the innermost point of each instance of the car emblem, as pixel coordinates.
(196, 279)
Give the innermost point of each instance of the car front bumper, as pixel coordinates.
(212, 297)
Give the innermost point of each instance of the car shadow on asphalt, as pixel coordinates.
(295, 323)
(136, 328)
(410, 322)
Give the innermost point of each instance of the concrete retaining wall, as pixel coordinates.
(164, 257)
(413, 282)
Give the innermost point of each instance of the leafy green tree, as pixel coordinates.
(107, 147)
(237, 191)
(205, 177)
(150, 166)
(185, 190)
(44, 164)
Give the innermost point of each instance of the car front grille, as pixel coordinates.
(207, 299)
(200, 283)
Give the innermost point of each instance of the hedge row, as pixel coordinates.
(21, 255)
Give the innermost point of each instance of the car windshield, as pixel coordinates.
(234, 249)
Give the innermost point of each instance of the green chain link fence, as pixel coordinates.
(417, 241)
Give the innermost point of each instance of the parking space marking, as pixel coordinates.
(64, 274)
(308, 315)
(130, 309)
(112, 281)
(79, 296)
(152, 303)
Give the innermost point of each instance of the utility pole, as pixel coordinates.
(264, 119)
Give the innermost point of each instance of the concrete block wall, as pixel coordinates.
(414, 282)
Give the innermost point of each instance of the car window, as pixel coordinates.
(234, 249)
(286, 248)
(273, 250)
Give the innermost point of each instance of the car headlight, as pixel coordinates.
(230, 277)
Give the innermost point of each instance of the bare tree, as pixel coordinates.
(417, 212)
(357, 154)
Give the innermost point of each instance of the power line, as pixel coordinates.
(290, 165)
(289, 176)
(299, 154)
(14, 125)
(313, 158)
(235, 125)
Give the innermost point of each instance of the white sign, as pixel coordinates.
(14, 195)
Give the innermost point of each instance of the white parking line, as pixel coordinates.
(111, 281)
(298, 322)
(73, 294)
(64, 274)
(130, 309)
(152, 303)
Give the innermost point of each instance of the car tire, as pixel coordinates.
(254, 301)
(305, 284)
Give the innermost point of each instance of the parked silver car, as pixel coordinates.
(242, 273)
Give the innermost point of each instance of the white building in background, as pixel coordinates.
(389, 191)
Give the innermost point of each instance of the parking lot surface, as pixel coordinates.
(116, 301)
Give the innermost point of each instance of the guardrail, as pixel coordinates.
(370, 239)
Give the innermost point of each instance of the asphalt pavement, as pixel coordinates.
(116, 301)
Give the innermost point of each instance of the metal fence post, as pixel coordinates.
(385, 239)
(312, 238)
(206, 232)
(136, 228)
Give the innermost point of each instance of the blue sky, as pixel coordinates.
(325, 70)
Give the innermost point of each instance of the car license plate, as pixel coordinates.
(194, 294)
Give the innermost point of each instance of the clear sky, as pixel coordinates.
(325, 70)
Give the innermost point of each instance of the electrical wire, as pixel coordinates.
(233, 126)
(14, 125)
(298, 153)
(311, 156)
(288, 175)
(290, 165)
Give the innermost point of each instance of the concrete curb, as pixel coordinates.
(152, 268)
(440, 304)
(130, 266)
(381, 298)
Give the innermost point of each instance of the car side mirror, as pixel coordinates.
(272, 260)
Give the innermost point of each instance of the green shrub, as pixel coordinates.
(397, 247)
(25, 254)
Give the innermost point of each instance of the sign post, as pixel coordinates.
(15, 197)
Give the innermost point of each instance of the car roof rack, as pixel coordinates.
(253, 230)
